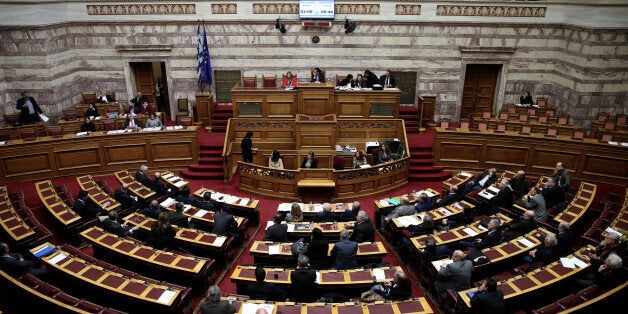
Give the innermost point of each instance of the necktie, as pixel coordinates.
(132, 122)
(387, 80)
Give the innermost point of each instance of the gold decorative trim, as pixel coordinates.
(495, 11)
(224, 8)
(141, 9)
(275, 8)
(408, 9)
(357, 8)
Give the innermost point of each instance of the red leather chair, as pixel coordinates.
(185, 121)
(28, 134)
(108, 125)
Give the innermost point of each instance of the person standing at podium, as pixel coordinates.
(247, 147)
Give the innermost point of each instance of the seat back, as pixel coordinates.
(269, 81)
(501, 127)
(526, 129)
(339, 162)
(523, 117)
(464, 124)
(578, 135)
(543, 119)
(482, 126)
(551, 132)
(562, 120)
(607, 137)
(108, 125)
(609, 126)
(249, 81)
(182, 104)
(28, 134)
(602, 116)
(503, 116)
(621, 119)
(541, 102)
(54, 131)
(10, 119)
(486, 115)
(89, 98)
(185, 121)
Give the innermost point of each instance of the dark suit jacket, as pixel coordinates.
(149, 212)
(219, 307)
(520, 187)
(115, 228)
(158, 186)
(503, 199)
(517, 228)
(546, 254)
(313, 164)
(363, 232)
(565, 242)
(137, 122)
(138, 102)
(85, 209)
(277, 233)
(224, 224)
(488, 302)
(206, 205)
(22, 101)
(391, 81)
(324, 217)
(303, 285)
(15, 264)
(553, 195)
(110, 98)
(178, 219)
(160, 240)
(401, 291)
(344, 254)
(489, 240)
(481, 176)
(124, 199)
(321, 77)
(88, 127)
(447, 200)
(265, 291)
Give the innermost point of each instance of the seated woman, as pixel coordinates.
(347, 82)
(88, 125)
(295, 214)
(310, 161)
(359, 159)
(384, 154)
(161, 233)
(147, 109)
(289, 81)
(153, 121)
(91, 111)
(275, 160)
(318, 249)
(526, 99)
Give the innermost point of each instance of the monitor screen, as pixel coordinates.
(316, 9)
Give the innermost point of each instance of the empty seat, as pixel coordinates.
(549, 309)
(185, 121)
(249, 81)
(108, 125)
(182, 108)
(269, 81)
(28, 134)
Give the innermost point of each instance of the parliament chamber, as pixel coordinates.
(455, 111)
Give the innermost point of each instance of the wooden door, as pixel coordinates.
(144, 81)
(478, 93)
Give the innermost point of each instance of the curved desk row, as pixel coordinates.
(98, 152)
(586, 159)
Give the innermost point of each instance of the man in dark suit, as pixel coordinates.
(545, 254)
(214, 305)
(552, 193)
(16, 265)
(482, 181)
(262, 290)
(519, 184)
(326, 215)
(139, 100)
(504, 198)
(565, 238)
(224, 223)
(132, 123)
(186, 198)
(104, 98)
(123, 197)
(450, 198)
(141, 176)
(318, 75)
(29, 110)
(387, 80)
(371, 78)
(491, 238)
(278, 232)
(303, 281)
(85, 207)
(363, 230)
(151, 210)
(488, 299)
(520, 227)
(112, 225)
(345, 252)
(206, 202)
(177, 217)
(562, 177)
(160, 187)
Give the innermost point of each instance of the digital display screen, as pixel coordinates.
(316, 9)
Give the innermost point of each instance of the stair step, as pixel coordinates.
(210, 157)
(202, 175)
(421, 154)
(211, 150)
(411, 124)
(221, 116)
(424, 169)
(440, 176)
(408, 116)
(206, 168)
(210, 161)
(421, 161)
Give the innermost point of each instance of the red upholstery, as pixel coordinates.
(28, 134)
(108, 125)
(185, 121)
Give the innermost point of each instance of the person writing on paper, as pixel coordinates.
(111, 225)
(347, 82)
(88, 125)
(91, 111)
(399, 288)
(275, 160)
(153, 121)
(310, 161)
(318, 76)
(29, 110)
(289, 81)
(214, 305)
(526, 99)
(488, 299)
(359, 159)
(387, 80)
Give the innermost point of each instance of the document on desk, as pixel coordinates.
(408, 221)
(231, 199)
(243, 202)
(379, 274)
(465, 174)
(318, 277)
(285, 207)
(57, 258)
(526, 242)
(470, 231)
(200, 213)
(441, 262)
(384, 203)
(169, 201)
(219, 241)
(493, 189)
(166, 296)
(180, 183)
(291, 227)
(273, 249)
(167, 175)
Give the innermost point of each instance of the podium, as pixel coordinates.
(315, 98)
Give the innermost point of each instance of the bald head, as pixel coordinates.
(520, 174)
(125, 186)
(528, 214)
(261, 310)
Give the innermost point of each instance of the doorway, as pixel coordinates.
(146, 75)
(480, 83)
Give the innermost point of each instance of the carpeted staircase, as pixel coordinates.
(210, 162)
(410, 117)
(422, 159)
(220, 117)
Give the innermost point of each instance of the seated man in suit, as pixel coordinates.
(404, 209)
(186, 198)
(303, 281)
(177, 217)
(450, 198)
(387, 80)
(534, 201)
(423, 203)
(344, 253)
(504, 198)
(491, 238)
(363, 230)
(278, 232)
(103, 98)
(151, 210)
(455, 275)
(160, 187)
(85, 207)
(111, 225)
(141, 176)
(552, 193)
(482, 181)
(123, 197)
(138, 101)
(132, 123)
(520, 227)
(224, 223)
(519, 184)
(326, 215)
(310, 161)
(206, 202)
(15, 264)
(262, 290)
(545, 254)
(318, 75)
(488, 299)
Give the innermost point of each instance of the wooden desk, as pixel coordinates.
(97, 153)
(97, 194)
(55, 205)
(187, 270)
(130, 290)
(310, 210)
(437, 215)
(586, 159)
(578, 205)
(174, 181)
(414, 306)
(367, 252)
(384, 206)
(200, 216)
(14, 225)
(459, 180)
(298, 230)
(242, 206)
(135, 187)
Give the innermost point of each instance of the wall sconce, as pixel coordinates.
(349, 26)
(280, 26)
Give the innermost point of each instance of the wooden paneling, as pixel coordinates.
(586, 160)
(97, 153)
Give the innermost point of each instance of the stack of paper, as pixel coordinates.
(379, 274)
(180, 183)
(200, 213)
(439, 263)
(166, 203)
(167, 175)
(526, 242)
(243, 202)
(384, 203)
(406, 221)
(59, 257)
(470, 231)
(219, 241)
(285, 207)
(166, 297)
(273, 249)
(465, 174)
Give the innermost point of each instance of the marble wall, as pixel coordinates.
(580, 68)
